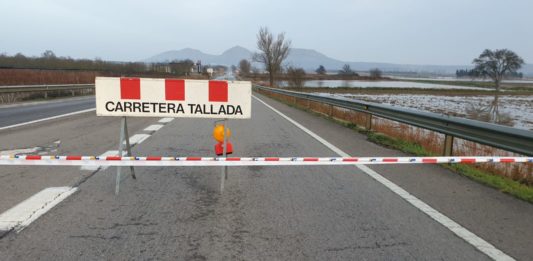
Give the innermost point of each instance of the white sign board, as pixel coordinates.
(145, 97)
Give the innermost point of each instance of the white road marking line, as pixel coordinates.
(20, 151)
(46, 119)
(154, 127)
(23, 214)
(135, 139)
(165, 120)
(138, 139)
(482, 245)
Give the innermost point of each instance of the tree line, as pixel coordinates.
(472, 73)
(49, 61)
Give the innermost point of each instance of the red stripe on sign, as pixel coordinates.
(350, 159)
(218, 91)
(130, 88)
(390, 160)
(506, 160)
(468, 160)
(153, 158)
(233, 159)
(429, 160)
(113, 158)
(33, 157)
(73, 157)
(310, 159)
(271, 159)
(174, 90)
(193, 158)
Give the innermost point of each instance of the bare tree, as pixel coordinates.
(244, 67)
(346, 70)
(347, 73)
(496, 64)
(272, 52)
(375, 73)
(296, 76)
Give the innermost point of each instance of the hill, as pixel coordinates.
(309, 60)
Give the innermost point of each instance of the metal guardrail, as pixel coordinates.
(44, 88)
(506, 138)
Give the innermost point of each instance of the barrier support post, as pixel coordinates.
(368, 123)
(448, 145)
(124, 138)
(225, 148)
(224, 174)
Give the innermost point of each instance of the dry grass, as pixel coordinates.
(41, 77)
(37, 77)
(521, 172)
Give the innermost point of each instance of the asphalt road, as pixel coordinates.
(265, 213)
(11, 115)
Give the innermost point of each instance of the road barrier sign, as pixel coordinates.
(147, 97)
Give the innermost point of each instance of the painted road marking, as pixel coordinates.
(46, 119)
(134, 140)
(154, 127)
(23, 214)
(479, 243)
(138, 139)
(166, 120)
(20, 151)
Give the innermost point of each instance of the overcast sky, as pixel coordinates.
(446, 32)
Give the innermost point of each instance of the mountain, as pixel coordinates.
(183, 54)
(231, 56)
(234, 55)
(309, 60)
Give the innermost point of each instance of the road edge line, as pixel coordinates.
(463, 233)
(46, 119)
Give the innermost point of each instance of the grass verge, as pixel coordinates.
(501, 183)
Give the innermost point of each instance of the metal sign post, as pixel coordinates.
(124, 138)
(224, 172)
(225, 147)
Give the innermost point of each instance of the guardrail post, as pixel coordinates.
(368, 123)
(448, 145)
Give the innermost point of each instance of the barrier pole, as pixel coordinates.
(128, 146)
(225, 149)
(223, 174)
(120, 145)
(124, 138)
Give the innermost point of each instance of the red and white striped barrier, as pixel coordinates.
(241, 161)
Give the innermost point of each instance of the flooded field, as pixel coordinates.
(379, 84)
(510, 110)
